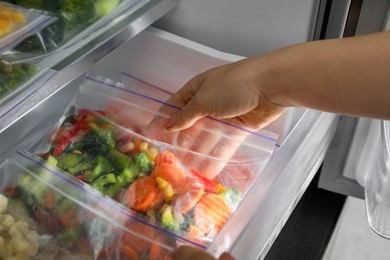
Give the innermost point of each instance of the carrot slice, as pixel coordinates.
(165, 157)
(186, 202)
(171, 173)
(211, 213)
(144, 194)
(129, 252)
(50, 200)
(69, 217)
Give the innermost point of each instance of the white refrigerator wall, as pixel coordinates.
(246, 27)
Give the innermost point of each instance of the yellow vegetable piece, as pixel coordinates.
(166, 188)
(9, 19)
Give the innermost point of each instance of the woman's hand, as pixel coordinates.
(235, 91)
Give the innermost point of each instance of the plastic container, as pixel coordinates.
(50, 216)
(186, 183)
(377, 183)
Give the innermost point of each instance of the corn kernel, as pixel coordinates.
(152, 153)
(166, 188)
(143, 146)
(220, 188)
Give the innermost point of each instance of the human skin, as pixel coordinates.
(349, 76)
(187, 252)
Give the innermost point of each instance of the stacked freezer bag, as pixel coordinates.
(75, 21)
(184, 184)
(377, 181)
(45, 215)
(17, 24)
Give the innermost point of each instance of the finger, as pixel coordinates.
(189, 253)
(226, 256)
(186, 117)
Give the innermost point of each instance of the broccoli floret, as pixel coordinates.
(168, 220)
(126, 177)
(33, 191)
(102, 166)
(102, 183)
(74, 162)
(49, 5)
(12, 75)
(99, 141)
(77, 12)
(69, 234)
(143, 162)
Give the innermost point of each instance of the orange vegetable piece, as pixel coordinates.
(211, 213)
(173, 174)
(165, 157)
(69, 217)
(144, 194)
(157, 252)
(9, 18)
(50, 200)
(129, 252)
(189, 199)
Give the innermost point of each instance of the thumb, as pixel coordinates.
(185, 118)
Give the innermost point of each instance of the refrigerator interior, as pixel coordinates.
(164, 59)
(246, 28)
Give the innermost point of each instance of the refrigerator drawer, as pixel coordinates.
(168, 61)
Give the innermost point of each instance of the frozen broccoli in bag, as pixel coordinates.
(13, 75)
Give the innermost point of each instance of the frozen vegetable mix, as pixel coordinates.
(73, 16)
(39, 222)
(109, 139)
(141, 175)
(13, 75)
(10, 19)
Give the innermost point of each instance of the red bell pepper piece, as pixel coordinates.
(209, 185)
(80, 124)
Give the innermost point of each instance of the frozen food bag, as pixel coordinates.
(45, 215)
(13, 76)
(77, 22)
(111, 138)
(377, 183)
(18, 23)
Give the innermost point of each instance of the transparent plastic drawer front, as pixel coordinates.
(377, 183)
(45, 215)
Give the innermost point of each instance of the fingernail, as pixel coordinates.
(169, 122)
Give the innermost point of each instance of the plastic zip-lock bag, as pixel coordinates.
(76, 26)
(187, 184)
(48, 216)
(17, 23)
